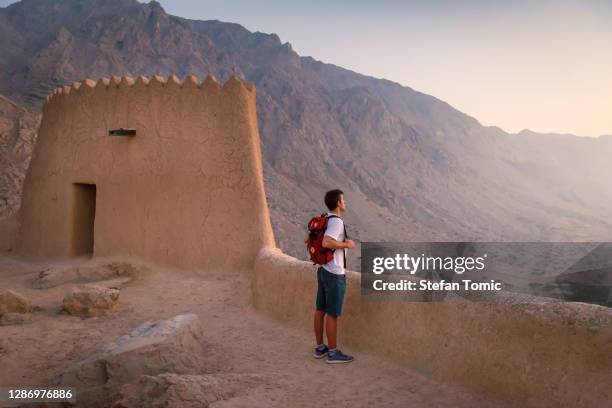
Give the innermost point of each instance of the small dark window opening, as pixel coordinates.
(84, 214)
(122, 132)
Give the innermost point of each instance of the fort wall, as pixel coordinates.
(187, 190)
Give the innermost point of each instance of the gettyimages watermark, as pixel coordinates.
(487, 271)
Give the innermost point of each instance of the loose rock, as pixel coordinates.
(13, 302)
(58, 275)
(174, 345)
(90, 301)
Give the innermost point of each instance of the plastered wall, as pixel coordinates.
(530, 354)
(187, 190)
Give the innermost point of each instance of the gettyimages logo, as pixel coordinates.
(413, 265)
(487, 271)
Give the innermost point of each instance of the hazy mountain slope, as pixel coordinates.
(413, 167)
(54, 42)
(17, 137)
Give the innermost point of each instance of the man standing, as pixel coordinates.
(331, 281)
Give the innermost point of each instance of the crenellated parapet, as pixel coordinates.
(157, 82)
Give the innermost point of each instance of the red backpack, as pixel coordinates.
(316, 231)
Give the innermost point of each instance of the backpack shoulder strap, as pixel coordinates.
(343, 224)
(345, 234)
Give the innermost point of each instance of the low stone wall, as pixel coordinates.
(533, 354)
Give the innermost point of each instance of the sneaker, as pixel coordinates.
(336, 357)
(320, 351)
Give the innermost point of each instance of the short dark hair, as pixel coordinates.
(331, 199)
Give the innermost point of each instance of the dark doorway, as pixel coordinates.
(84, 212)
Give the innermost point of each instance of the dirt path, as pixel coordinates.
(240, 341)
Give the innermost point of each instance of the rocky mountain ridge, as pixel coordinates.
(412, 166)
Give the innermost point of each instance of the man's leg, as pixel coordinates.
(319, 315)
(318, 325)
(320, 308)
(335, 300)
(331, 330)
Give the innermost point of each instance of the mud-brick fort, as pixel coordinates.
(152, 168)
(171, 172)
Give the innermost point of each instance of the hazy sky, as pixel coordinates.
(543, 65)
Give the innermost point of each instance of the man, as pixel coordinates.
(331, 281)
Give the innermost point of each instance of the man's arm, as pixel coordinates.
(335, 226)
(329, 242)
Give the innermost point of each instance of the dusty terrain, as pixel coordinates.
(240, 342)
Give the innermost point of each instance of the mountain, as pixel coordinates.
(412, 166)
(17, 137)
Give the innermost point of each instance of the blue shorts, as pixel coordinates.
(330, 291)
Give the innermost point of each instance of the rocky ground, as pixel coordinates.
(190, 339)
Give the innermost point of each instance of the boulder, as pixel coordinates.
(174, 345)
(13, 302)
(58, 275)
(13, 319)
(183, 391)
(90, 301)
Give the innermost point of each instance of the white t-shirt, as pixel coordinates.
(335, 229)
